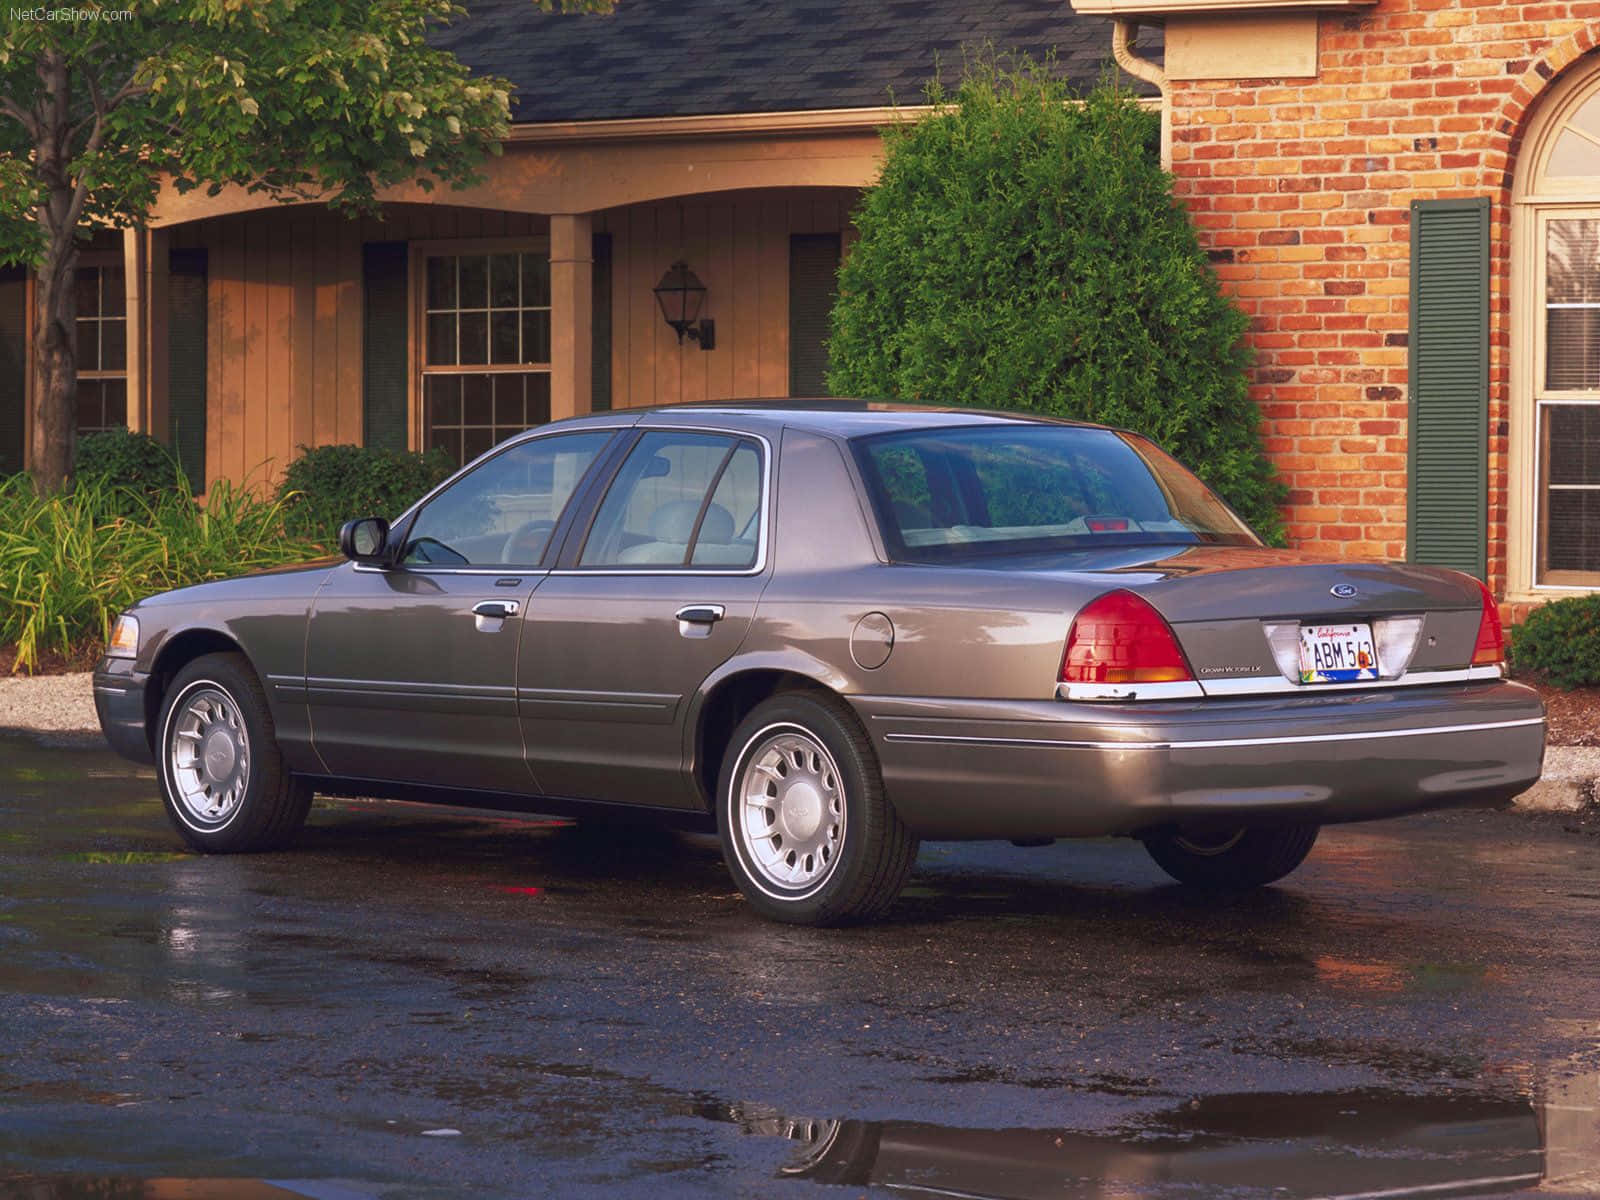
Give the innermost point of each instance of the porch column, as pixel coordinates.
(133, 268)
(158, 270)
(571, 313)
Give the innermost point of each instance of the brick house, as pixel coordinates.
(1405, 197)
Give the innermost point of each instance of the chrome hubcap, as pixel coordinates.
(791, 810)
(209, 756)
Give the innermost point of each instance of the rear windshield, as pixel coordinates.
(945, 494)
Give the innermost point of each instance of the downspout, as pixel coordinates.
(1123, 31)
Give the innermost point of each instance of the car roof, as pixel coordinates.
(837, 417)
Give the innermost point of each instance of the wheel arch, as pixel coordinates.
(177, 652)
(726, 700)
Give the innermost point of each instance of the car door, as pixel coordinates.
(648, 600)
(411, 666)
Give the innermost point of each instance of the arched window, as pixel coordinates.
(1555, 469)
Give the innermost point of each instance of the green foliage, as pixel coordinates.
(134, 464)
(1023, 251)
(328, 99)
(329, 485)
(1561, 641)
(69, 562)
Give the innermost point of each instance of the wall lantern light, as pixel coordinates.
(680, 294)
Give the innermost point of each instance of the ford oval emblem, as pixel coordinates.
(1343, 590)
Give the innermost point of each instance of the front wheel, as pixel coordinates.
(1234, 859)
(223, 781)
(807, 830)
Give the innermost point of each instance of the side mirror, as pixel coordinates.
(364, 540)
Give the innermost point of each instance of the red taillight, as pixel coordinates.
(1119, 638)
(1491, 646)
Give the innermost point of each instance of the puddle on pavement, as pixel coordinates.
(1359, 1143)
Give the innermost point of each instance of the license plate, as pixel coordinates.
(1337, 653)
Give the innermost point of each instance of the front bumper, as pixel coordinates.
(119, 702)
(1029, 769)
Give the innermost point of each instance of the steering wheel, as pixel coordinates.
(525, 544)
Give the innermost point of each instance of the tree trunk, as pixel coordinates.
(55, 358)
(55, 369)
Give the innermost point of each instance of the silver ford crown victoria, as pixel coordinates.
(830, 629)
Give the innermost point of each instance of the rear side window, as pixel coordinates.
(947, 494)
(680, 500)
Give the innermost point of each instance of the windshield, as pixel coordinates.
(944, 494)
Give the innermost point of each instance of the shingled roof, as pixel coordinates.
(651, 58)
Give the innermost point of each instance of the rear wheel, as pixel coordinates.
(1239, 858)
(223, 780)
(807, 830)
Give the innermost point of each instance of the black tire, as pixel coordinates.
(1232, 859)
(270, 804)
(862, 872)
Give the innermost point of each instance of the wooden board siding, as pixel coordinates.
(738, 244)
(284, 324)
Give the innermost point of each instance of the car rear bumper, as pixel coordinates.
(1026, 769)
(119, 703)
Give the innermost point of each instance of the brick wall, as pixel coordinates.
(1301, 190)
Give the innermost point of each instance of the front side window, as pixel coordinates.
(950, 494)
(486, 348)
(680, 500)
(503, 512)
(102, 334)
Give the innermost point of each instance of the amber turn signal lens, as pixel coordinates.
(124, 640)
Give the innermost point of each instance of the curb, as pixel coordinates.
(1570, 782)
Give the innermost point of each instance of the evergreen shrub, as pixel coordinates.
(132, 468)
(1560, 641)
(1024, 251)
(329, 485)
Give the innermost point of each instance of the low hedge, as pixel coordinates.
(1560, 642)
(329, 485)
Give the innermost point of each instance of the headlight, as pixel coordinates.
(124, 641)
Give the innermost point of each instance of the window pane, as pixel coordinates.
(474, 337)
(116, 403)
(1573, 444)
(1572, 531)
(90, 412)
(87, 285)
(1572, 262)
(730, 540)
(502, 513)
(508, 412)
(442, 282)
(538, 398)
(443, 394)
(649, 513)
(474, 281)
(1573, 155)
(1572, 299)
(113, 345)
(476, 406)
(442, 339)
(503, 280)
(113, 292)
(536, 337)
(535, 280)
(88, 345)
(503, 337)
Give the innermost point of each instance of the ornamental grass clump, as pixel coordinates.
(1023, 250)
(70, 561)
(1560, 642)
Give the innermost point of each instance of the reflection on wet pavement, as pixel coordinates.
(423, 1003)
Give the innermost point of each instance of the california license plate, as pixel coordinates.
(1337, 653)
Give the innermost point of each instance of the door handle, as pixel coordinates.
(701, 614)
(498, 609)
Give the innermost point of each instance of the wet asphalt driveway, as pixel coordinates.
(420, 1002)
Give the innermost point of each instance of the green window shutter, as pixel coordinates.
(186, 362)
(813, 287)
(13, 367)
(385, 360)
(600, 325)
(1447, 509)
